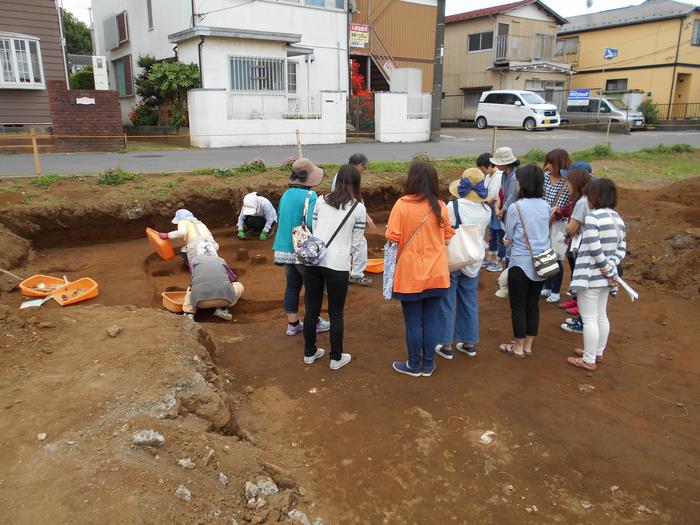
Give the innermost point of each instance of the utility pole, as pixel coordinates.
(436, 114)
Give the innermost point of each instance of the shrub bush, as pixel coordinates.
(421, 156)
(83, 79)
(535, 155)
(682, 148)
(144, 115)
(115, 176)
(47, 180)
(287, 163)
(650, 111)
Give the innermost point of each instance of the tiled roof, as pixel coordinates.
(496, 10)
(649, 11)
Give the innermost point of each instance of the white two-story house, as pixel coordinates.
(268, 67)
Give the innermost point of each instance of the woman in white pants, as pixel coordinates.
(602, 248)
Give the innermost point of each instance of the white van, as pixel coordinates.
(604, 110)
(516, 108)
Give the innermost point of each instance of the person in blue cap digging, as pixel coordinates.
(198, 239)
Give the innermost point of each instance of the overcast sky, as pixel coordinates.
(564, 7)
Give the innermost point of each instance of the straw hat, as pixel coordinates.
(474, 176)
(503, 157)
(304, 173)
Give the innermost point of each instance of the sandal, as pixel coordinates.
(579, 352)
(580, 363)
(509, 349)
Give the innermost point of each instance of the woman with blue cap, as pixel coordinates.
(459, 310)
(198, 239)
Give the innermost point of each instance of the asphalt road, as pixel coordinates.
(455, 142)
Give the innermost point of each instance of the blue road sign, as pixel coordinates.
(610, 53)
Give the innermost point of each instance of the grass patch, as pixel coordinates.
(47, 180)
(115, 177)
(534, 156)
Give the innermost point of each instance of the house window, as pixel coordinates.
(333, 4)
(695, 41)
(123, 77)
(616, 84)
(122, 27)
(480, 41)
(292, 77)
(258, 74)
(149, 11)
(20, 64)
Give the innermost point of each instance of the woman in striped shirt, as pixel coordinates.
(556, 194)
(602, 249)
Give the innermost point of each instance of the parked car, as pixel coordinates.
(603, 110)
(515, 108)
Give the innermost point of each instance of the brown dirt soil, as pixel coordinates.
(366, 444)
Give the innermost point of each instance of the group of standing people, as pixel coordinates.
(528, 210)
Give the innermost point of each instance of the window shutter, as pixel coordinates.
(123, 27)
(128, 81)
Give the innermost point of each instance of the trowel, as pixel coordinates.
(35, 303)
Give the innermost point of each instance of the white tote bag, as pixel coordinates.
(466, 247)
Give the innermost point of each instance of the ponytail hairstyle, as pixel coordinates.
(422, 180)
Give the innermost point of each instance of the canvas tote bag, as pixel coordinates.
(466, 247)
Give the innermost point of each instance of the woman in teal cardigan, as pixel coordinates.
(290, 215)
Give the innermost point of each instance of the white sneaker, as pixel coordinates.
(340, 363)
(545, 292)
(320, 352)
(553, 298)
(224, 314)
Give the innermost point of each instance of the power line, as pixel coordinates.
(628, 60)
(201, 16)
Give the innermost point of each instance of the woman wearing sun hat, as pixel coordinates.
(304, 176)
(505, 161)
(459, 309)
(198, 239)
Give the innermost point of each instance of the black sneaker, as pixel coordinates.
(574, 327)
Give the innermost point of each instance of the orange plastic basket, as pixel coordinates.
(161, 246)
(172, 301)
(77, 291)
(375, 265)
(40, 285)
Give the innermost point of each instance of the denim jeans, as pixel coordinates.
(295, 279)
(422, 331)
(496, 242)
(459, 311)
(554, 283)
(316, 278)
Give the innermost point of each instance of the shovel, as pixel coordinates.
(36, 303)
(19, 279)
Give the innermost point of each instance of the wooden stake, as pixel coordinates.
(299, 155)
(126, 141)
(493, 141)
(608, 133)
(35, 148)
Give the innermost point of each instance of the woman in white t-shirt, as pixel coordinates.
(339, 220)
(459, 310)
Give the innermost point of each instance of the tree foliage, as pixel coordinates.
(77, 34)
(173, 79)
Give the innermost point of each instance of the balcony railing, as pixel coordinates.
(514, 48)
(265, 106)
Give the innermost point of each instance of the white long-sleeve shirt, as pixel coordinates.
(326, 220)
(266, 210)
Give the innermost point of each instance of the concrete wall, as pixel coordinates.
(210, 127)
(391, 122)
(323, 29)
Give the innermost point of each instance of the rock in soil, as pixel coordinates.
(223, 479)
(186, 463)
(298, 517)
(242, 254)
(41, 436)
(266, 486)
(114, 331)
(148, 438)
(258, 259)
(184, 493)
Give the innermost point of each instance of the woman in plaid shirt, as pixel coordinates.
(556, 194)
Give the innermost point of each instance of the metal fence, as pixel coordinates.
(419, 106)
(266, 106)
(678, 111)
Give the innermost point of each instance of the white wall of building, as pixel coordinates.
(392, 122)
(322, 29)
(210, 126)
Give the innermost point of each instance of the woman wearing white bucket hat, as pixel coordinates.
(505, 161)
(198, 239)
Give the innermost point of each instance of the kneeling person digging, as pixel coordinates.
(213, 285)
(256, 218)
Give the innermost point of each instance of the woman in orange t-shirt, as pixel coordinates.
(420, 224)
